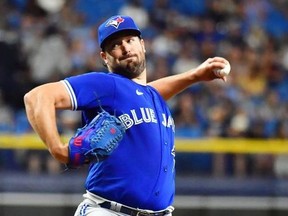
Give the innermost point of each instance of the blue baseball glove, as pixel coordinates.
(96, 140)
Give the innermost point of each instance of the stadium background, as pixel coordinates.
(231, 137)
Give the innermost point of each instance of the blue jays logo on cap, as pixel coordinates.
(115, 22)
(114, 25)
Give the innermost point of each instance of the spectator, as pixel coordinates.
(49, 61)
(251, 34)
(134, 9)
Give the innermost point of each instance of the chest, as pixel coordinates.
(141, 105)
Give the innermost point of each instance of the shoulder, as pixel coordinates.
(156, 93)
(94, 76)
(88, 75)
(153, 90)
(89, 78)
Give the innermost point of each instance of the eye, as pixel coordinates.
(131, 40)
(115, 45)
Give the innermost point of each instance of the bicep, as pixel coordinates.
(55, 93)
(172, 85)
(62, 97)
(159, 85)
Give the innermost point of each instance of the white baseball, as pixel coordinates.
(224, 71)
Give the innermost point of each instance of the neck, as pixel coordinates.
(141, 79)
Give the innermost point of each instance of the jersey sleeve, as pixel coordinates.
(90, 90)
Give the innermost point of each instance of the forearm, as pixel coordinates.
(41, 113)
(172, 85)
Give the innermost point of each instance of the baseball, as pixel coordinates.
(224, 71)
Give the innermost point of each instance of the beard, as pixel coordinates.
(130, 69)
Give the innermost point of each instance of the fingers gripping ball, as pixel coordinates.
(223, 71)
(96, 140)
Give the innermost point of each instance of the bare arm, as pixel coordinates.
(172, 85)
(41, 104)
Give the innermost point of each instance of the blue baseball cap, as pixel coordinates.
(114, 25)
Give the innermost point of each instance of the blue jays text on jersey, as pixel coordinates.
(147, 115)
(140, 172)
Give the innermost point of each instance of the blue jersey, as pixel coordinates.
(140, 172)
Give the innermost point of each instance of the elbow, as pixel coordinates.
(32, 100)
(28, 99)
(29, 104)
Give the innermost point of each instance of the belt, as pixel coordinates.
(130, 211)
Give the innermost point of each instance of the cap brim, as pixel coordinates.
(120, 31)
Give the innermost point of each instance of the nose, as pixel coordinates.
(125, 47)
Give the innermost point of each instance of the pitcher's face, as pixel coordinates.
(124, 54)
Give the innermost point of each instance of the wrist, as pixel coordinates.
(60, 153)
(194, 77)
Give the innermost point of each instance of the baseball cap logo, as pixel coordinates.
(115, 22)
(114, 25)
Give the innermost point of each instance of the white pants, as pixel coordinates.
(90, 207)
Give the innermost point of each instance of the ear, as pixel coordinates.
(143, 45)
(103, 56)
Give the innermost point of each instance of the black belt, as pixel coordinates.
(132, 212)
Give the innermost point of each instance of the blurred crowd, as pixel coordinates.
(43, 41)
